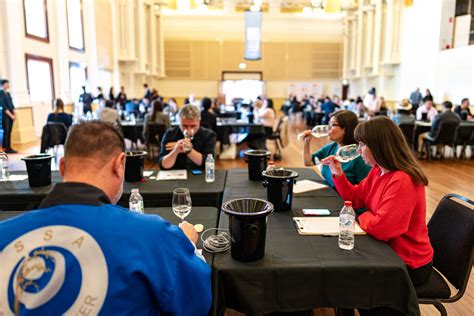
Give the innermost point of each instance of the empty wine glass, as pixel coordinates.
(188, 134)
(3, 166)
(347, 153)
(181, 204)
(320, 131)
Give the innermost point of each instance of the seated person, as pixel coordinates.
(427, 111)
(446, 116)
(109, 114)
(58, 116)
(341, 133)
(393, 194)
(464, 110)
(208, 118)
(92, 256)
(156, 116)
(190, 152)
(403, 115)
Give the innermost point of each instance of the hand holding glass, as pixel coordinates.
(181, 204)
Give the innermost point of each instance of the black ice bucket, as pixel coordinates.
(39, 169)
(257, 162)
(248, 227)
(134, 165)
(279, 184)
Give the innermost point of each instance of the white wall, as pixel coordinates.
(455, 79)
(420, 47)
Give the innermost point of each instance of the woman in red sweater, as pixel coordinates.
(393, 194)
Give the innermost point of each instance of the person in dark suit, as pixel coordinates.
(122, 98)
(148, 94)
(86, 99)
(8, 116)
(208, 118)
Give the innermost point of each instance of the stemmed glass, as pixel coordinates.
(320, 131)
(188, 134)
(347, 153)
(3, 166)
(181, 204)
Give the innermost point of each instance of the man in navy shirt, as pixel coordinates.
(186, 146)
(8, 116)
(81, 254)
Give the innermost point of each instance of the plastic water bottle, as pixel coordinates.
(210, 169)
(3, 166)
(346, 226)
(136, 202)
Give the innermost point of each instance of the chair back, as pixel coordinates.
(451, 232)
(464, 133)
(446, 133)
(408, 130)
(155, 133)
(57, 133)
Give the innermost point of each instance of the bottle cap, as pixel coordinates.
(347, 203)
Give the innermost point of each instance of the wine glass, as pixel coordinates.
(347, 153)
(3, 166)
(188, 134)
(320, 131)
(181, 204)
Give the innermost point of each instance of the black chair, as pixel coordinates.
(408, 130)
(451, 232)
(463, 136)
(155, 132)
(53, 135)
(446, 136)
(276, 137)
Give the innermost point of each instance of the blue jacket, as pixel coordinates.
(98, 258)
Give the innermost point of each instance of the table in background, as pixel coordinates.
(423, 127)
(207, 216)
(18, 195)
(305, 272)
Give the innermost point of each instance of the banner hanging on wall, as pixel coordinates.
(253, 35)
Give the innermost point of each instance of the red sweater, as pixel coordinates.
(396, 212)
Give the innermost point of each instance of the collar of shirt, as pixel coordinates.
(75, 193)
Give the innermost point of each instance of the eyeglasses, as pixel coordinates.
(331, 125)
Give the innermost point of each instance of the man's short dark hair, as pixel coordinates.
(145, 85)
(464, 100)
(93, 139)
(448, 104)
(206, 103)
(427, 98)
(5, 81)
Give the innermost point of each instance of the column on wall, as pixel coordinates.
(377, 38)
(360, 41)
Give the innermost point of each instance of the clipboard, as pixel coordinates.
(322, 226)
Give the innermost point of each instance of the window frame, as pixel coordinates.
(83, 49)
(32, 36)
(43, 59)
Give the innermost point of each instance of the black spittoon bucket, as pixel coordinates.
(279, 184)
(134, 165)
(257, 162)
(247, 227)
(39, 169)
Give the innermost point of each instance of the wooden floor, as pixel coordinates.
(446, 176)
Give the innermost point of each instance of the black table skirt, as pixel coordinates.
(305, 272)
(19, 195)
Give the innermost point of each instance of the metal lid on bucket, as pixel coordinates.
(280, 173)
(257, 152)
(37, 157)
(138, 153)
(247, 207)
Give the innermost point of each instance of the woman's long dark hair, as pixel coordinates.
(157, 107)
(58, 106)
(348, 121)
(389, 147)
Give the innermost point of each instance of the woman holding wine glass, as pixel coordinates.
(341, 133)
(393, 194)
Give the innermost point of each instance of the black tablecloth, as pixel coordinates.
(18, 195)
(207, 216)
(304, 272)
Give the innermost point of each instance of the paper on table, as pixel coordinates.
(172, 175)
(15, 177)
(147, 173)
(307, 185)
(328, 226)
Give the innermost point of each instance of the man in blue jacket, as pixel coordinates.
(81, 254)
